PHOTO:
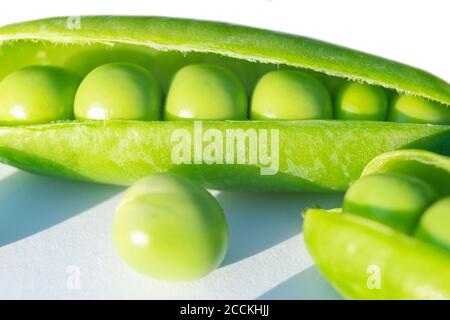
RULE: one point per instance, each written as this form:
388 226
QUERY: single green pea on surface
367 254
434 225
206 92
118 91
395 200
357 101
290 95
37 94
169 227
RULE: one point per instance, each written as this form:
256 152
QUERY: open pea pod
303 155
367 259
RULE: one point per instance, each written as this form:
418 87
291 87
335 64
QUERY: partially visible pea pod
428 166
364 259
314 155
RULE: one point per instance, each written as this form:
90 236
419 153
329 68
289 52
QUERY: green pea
394 200
418 110
119 91
357 101
169 227
37 94
206 92
290 95
434 225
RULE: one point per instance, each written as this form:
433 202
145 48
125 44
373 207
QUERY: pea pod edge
425 165
165 34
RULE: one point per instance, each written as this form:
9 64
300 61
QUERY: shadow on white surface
30 203
306 285
258 221
265 256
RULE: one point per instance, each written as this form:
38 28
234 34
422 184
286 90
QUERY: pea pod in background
323 155
366 259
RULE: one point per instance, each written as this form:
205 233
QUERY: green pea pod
364 259
62 40
427 166
311 155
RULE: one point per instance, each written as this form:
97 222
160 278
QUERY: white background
52 230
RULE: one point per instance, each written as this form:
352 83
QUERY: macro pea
394 200
37 94
290 95
206 92
171 228
406 108
122 91
434 225
357 101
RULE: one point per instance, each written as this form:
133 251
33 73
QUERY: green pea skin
37 94
357 101
170 228
122 91
394 200
206 92
418 110
434 225
290 95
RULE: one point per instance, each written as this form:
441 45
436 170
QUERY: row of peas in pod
404 203
40 94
